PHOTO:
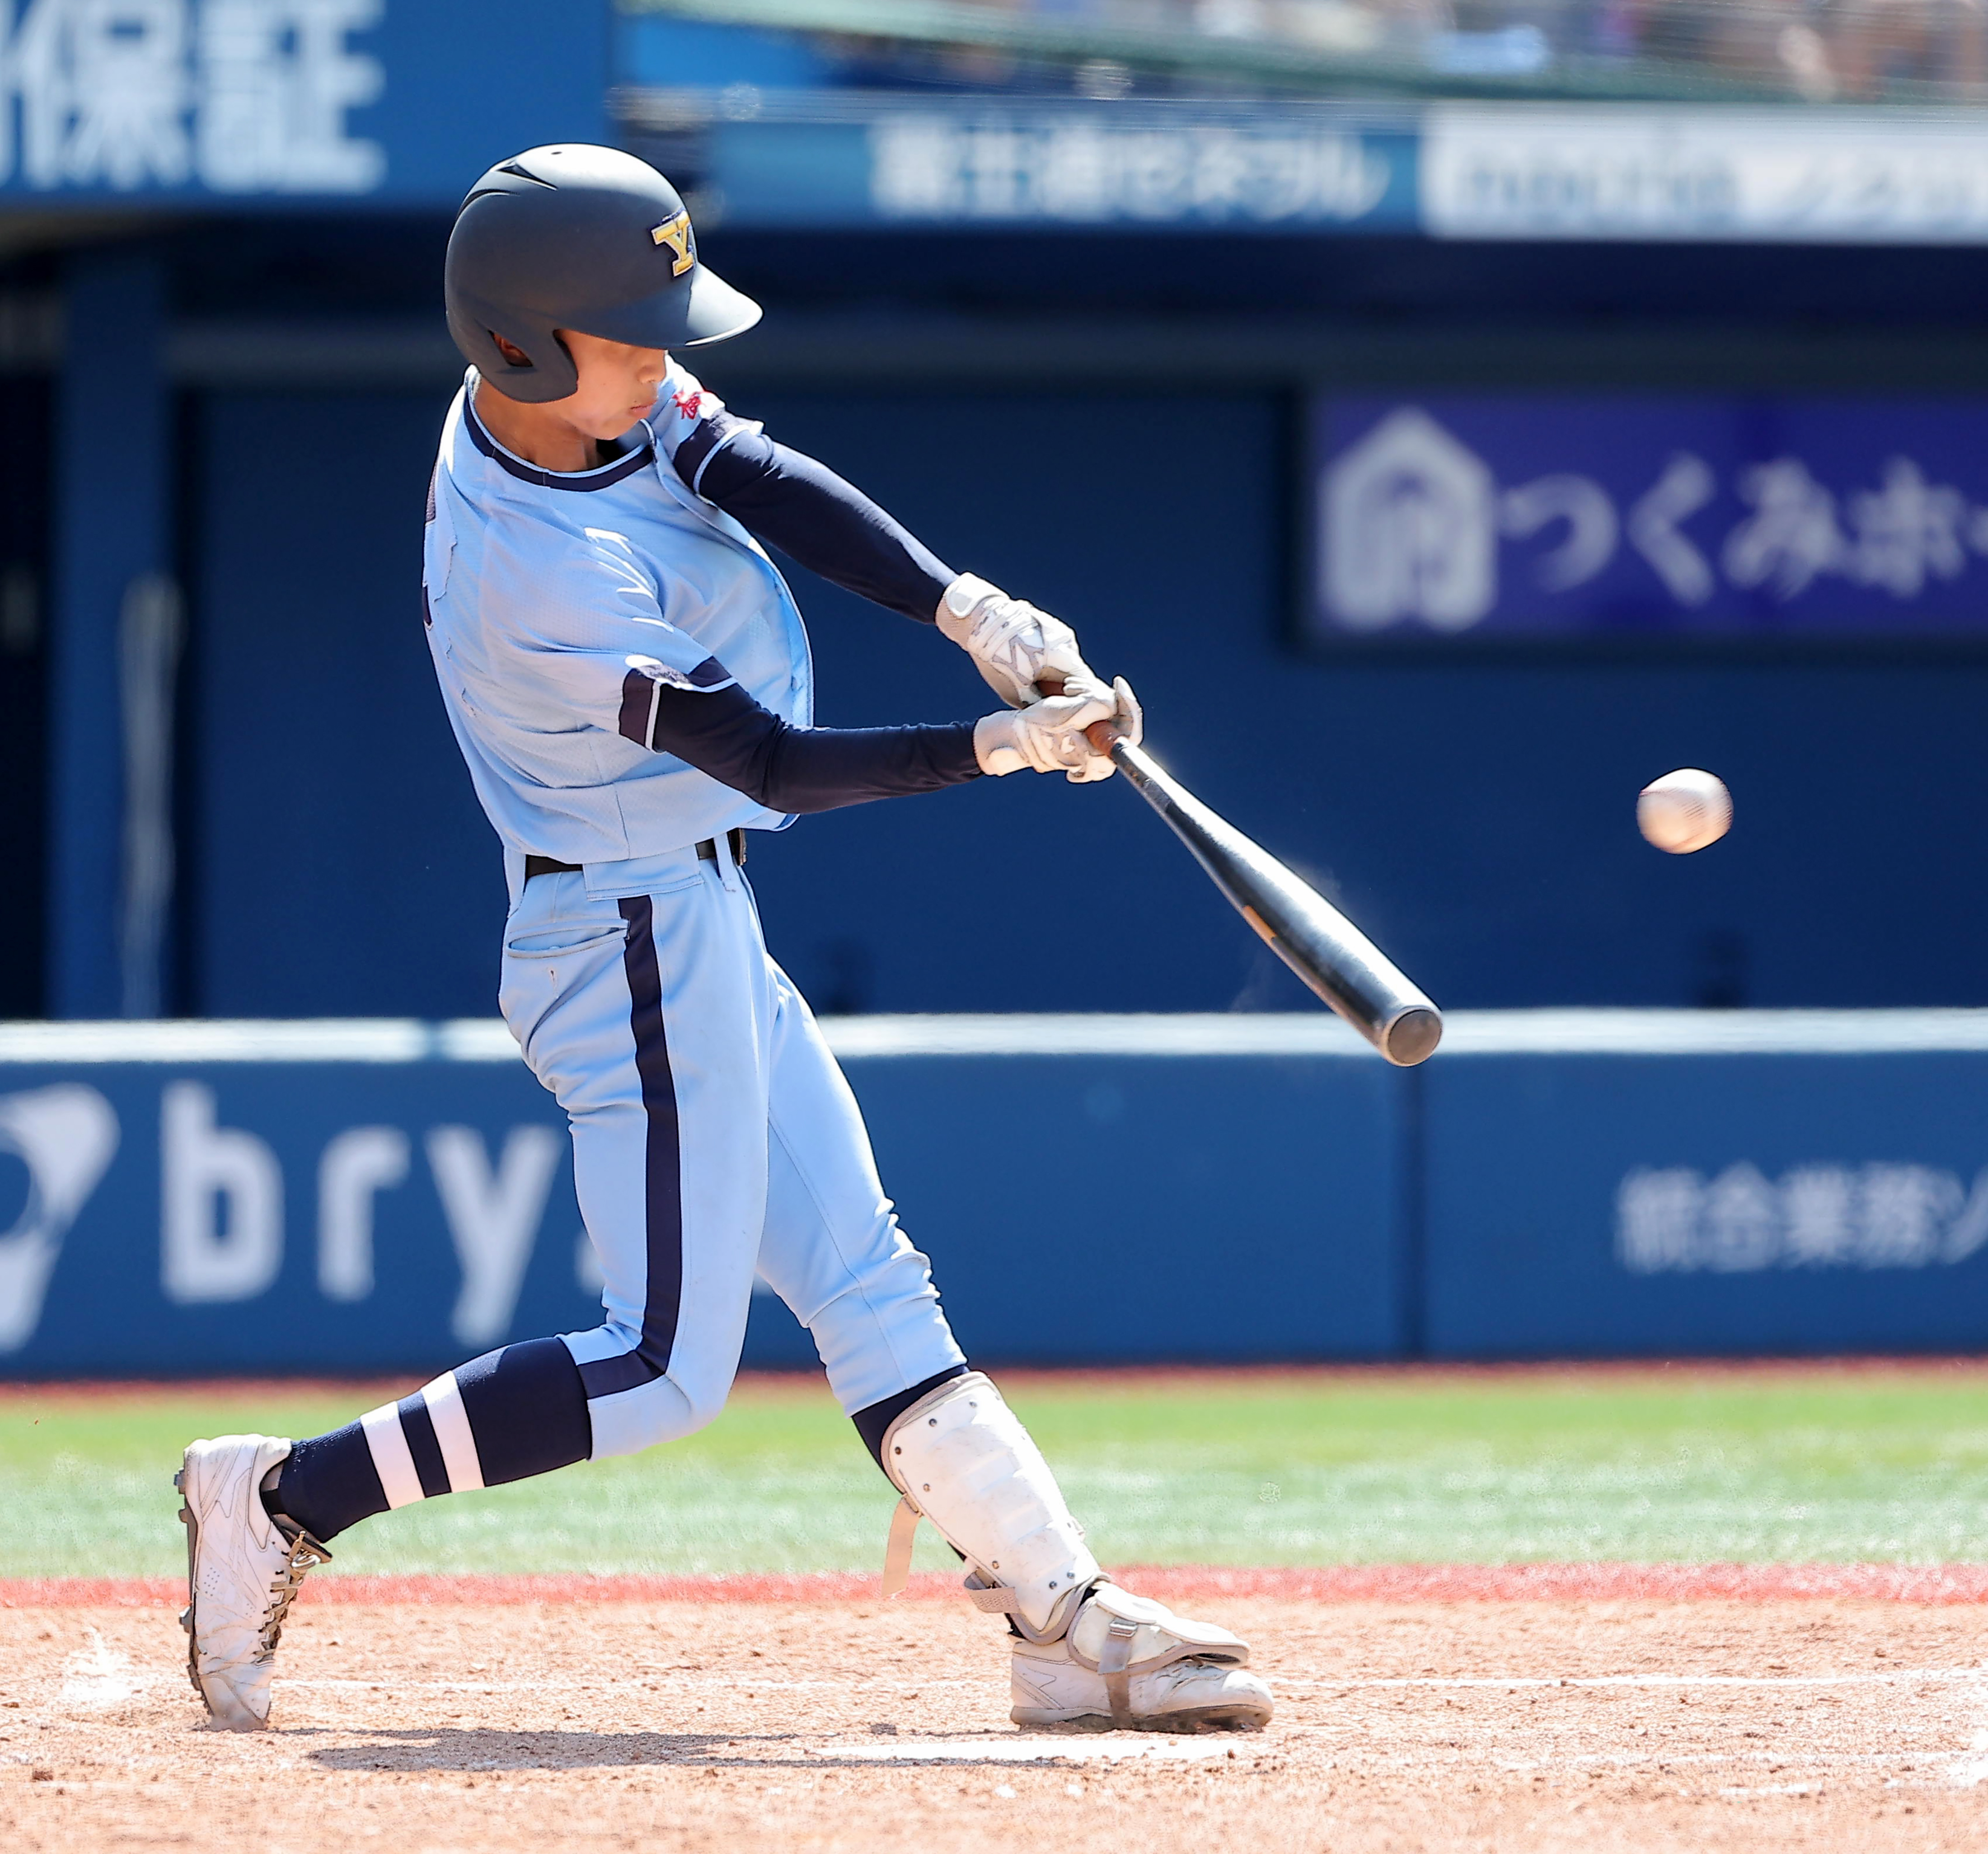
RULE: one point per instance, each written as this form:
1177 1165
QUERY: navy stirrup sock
514 1412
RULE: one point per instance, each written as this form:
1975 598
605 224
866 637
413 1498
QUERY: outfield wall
368 1195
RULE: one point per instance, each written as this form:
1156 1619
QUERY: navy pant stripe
416 1425
603 1377
663 1182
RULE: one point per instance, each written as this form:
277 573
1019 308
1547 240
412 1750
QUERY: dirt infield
1575 1722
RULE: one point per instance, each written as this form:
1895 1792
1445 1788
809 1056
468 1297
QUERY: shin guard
962 1460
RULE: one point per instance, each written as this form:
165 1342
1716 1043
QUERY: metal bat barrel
1301 927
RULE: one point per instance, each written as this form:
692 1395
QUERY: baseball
1684 810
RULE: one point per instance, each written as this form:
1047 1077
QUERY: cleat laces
305 1554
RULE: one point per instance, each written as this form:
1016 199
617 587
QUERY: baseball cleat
1130 1664
243 1569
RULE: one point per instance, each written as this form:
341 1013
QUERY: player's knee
664 1409
702 1405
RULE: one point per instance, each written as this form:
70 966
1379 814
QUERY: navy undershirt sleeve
831 527
724 732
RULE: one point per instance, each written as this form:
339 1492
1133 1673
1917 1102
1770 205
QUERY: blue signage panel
1618 171
1491 515
391 102
308 1216
1123 1210
974 165
361 1216
1648 1204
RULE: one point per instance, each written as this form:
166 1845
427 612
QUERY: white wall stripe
453 1434
1466 1034
392 1459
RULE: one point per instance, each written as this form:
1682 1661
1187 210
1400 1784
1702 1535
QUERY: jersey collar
604 478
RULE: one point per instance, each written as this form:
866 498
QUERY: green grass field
1870 1463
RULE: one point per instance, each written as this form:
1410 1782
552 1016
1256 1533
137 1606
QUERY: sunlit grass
1874 1464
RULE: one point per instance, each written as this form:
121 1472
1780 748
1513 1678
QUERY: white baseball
1684 810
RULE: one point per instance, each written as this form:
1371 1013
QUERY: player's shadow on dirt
485 1748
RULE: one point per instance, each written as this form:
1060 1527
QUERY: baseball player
628 678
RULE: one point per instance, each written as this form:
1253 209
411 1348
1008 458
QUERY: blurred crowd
1817 50
1820 50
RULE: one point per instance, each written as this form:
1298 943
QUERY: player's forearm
725 733
802 508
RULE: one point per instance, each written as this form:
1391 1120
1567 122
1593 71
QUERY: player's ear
510 351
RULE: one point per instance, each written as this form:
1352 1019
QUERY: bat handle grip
1102 735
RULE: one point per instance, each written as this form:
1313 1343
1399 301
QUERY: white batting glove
1128 722
1047 736
1012 645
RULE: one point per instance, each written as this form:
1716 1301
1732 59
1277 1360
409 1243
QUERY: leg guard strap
1115 1664
898 1552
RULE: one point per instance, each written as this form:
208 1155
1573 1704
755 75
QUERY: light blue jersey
543 591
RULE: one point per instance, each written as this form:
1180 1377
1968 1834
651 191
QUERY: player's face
617 384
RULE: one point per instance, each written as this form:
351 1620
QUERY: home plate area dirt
605 1722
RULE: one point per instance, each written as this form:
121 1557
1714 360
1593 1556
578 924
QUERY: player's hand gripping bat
1300 925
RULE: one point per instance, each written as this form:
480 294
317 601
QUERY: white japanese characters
234 96
1679 1221
933 168
1410 522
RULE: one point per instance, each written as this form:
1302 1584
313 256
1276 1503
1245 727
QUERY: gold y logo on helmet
676 235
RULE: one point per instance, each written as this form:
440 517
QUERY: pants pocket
568 937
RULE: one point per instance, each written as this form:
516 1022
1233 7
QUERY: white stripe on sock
392 1459
458 1441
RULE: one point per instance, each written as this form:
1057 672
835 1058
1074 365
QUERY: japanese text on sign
235 95
1524 516
927 167
1679 1221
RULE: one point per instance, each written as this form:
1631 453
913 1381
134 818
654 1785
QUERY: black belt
708 851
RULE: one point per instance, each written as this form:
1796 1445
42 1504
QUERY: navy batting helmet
581 238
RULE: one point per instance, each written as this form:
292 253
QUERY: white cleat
242 1572
1130 1664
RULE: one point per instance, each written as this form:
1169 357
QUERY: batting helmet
581 238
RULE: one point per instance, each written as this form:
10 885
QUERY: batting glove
1012 645
1048 735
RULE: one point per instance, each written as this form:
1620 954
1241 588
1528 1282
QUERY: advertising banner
398 102
990 166
1622 171
1491 515
393 1207
1641 1204
1091 1191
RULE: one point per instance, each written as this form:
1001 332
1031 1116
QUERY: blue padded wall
1477 816
1075 1209
340 862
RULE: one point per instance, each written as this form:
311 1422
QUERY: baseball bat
1298 924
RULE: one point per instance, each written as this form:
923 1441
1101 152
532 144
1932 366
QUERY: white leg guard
962 1460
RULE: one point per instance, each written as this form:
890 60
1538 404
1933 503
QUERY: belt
707 851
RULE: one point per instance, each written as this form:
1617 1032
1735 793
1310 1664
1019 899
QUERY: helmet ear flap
549 372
